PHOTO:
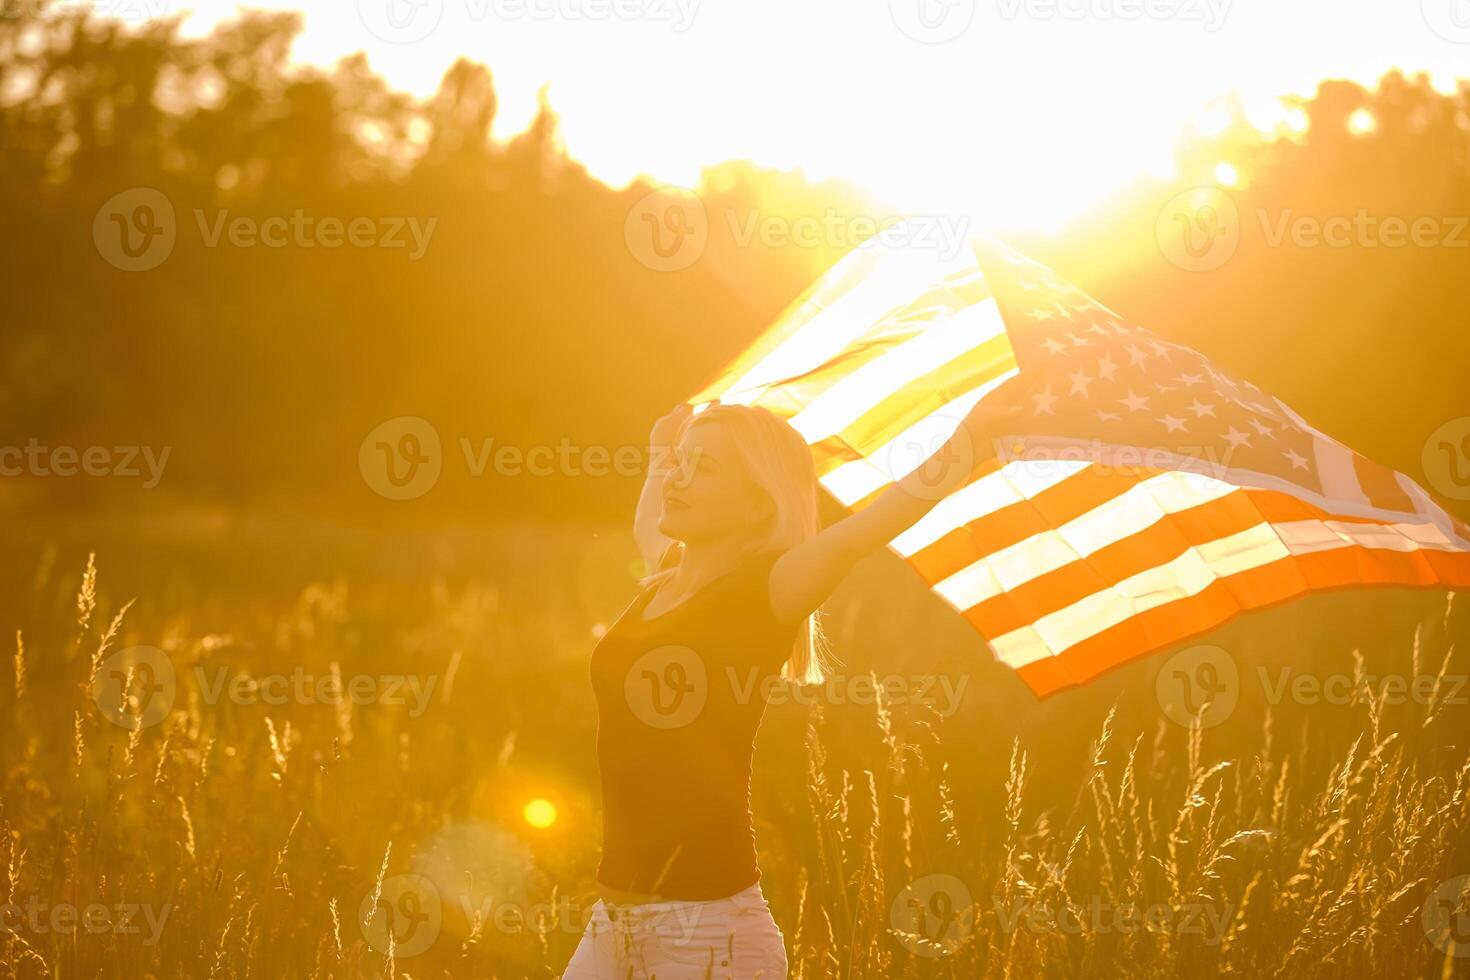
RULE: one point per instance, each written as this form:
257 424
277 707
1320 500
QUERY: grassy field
351 753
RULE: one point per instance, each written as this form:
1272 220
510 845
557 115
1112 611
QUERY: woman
680 679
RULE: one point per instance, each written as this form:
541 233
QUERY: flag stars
1264 430
1054 345
1190 379
1172 423
1078 341
1137 354
1160 349
1080 381
1297 461
1237 438
1200 409
1041 314
1043 401
1107 416
1163 387
1135 403
1100 330
1106 367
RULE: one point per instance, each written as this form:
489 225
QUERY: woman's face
706 492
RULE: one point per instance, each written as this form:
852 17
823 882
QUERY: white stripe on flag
1011 484
1193 570
886 280
1136 509
938 343
857 478
1186 575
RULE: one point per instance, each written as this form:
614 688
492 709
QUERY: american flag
1146 497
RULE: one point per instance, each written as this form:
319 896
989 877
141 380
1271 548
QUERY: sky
1029 111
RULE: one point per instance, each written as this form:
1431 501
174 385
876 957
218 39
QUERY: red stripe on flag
1145 549
1353 566
1380 486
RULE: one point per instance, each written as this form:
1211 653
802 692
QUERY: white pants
731 938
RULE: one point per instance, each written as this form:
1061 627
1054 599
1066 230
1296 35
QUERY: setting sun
540 813
979 117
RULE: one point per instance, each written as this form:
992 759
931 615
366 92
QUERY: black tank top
679 699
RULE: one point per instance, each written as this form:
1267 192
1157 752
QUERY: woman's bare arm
806 575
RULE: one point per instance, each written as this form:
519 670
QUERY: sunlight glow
1025 121
1361 122
540 813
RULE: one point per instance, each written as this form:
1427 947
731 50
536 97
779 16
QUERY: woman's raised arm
806 575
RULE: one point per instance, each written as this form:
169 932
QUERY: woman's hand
666 429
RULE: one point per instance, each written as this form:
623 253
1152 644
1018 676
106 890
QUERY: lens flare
540 813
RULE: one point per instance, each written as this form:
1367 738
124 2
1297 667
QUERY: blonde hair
779 461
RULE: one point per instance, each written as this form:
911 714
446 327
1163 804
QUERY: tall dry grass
272 839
